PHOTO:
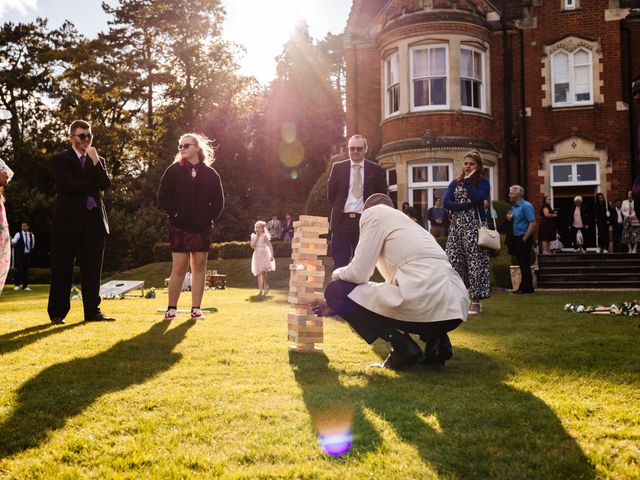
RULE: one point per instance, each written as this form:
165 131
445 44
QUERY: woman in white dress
262 260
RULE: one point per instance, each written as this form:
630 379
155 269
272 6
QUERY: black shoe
57 321
523 292
100 318
437 351
516 292
405 355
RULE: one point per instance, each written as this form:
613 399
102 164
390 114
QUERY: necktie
91 203
356 187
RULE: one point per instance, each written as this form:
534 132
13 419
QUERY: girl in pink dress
262 260
5 241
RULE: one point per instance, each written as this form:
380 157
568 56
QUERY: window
575 174
392 85
426 182
392 182
569 4
429 77
572 78
471 79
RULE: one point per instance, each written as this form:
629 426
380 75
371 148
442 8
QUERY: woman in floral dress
5 240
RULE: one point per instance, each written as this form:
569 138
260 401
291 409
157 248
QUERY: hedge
40 276
226 250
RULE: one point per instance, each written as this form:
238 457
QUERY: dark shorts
182 241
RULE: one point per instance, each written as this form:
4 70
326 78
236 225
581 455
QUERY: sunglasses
356 149
185 146
84 136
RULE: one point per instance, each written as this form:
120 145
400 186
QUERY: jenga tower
307 277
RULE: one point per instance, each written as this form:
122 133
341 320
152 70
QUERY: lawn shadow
464 420
12 341
62 391
257 298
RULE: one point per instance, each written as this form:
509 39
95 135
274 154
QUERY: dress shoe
437 351
522 292
405 355
57 321
100 318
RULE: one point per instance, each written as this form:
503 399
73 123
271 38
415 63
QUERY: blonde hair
206 153
263 224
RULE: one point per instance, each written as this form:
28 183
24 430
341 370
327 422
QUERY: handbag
488 238
634 222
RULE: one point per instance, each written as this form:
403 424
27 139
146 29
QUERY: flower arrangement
627 309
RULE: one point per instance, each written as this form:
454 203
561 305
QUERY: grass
532 392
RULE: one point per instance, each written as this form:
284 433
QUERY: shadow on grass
65 390
463 419
12 341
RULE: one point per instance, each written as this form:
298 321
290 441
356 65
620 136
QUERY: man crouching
422 293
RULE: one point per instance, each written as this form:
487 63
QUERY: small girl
262 260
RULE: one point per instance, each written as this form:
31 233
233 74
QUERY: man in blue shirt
523 221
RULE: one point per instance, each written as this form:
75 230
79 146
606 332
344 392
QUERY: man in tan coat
422 293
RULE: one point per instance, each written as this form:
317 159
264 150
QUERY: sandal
475 308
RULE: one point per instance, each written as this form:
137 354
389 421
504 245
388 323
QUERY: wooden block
316 251
305 241
304 318
314 338
304 257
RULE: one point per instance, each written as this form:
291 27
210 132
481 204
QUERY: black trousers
370 325
617 237
87 248
344 240
21 264
523 255
603 236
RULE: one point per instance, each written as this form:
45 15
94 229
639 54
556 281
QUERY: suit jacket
420 284
375 181
74 184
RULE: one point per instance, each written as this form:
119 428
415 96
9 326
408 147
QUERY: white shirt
353 204
27 237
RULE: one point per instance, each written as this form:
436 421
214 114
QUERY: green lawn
531 392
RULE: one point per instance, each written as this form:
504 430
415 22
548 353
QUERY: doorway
562 199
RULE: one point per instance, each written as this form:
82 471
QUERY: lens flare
335 436
288 132
291 154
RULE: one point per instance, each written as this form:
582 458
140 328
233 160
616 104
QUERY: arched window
571 73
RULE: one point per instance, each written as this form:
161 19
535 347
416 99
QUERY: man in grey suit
351 182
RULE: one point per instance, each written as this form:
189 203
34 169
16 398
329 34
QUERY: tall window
426 182
392 182
471 84
569 4
572 78
392 85
429 77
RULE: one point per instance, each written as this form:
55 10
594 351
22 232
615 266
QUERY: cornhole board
120 288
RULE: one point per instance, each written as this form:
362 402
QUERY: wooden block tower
307 281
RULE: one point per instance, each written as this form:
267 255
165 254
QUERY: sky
261 26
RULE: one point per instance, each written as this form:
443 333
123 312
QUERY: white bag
488 238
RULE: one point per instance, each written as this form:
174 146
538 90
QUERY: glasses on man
185 146
84 136
356 149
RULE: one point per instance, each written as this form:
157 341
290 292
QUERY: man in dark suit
23 244
79 225
351 182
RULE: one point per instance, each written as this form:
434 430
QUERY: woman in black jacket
191 194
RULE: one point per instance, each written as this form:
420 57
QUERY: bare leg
198 267
179 264
265 283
